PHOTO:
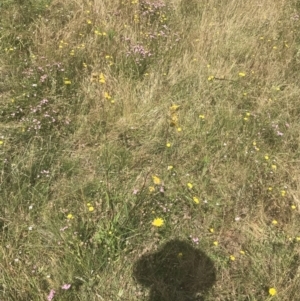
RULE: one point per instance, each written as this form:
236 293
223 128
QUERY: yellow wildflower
151 189
242 74
232 258
158 222
215 243
196 200
106 95
67 81
91 208
274 222
156 180
174 108
189 185
272 291
70 216
101 78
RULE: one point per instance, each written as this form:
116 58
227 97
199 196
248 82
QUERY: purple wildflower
279 133
194 239
66 286
51 295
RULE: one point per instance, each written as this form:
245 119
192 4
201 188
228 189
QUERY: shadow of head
176 272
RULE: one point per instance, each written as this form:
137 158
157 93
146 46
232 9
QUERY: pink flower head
195 240
51 295
279 133
66 286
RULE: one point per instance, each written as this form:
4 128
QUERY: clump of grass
131 127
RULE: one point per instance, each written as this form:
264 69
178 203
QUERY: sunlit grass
126 125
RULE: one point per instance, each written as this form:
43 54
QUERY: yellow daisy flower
158 222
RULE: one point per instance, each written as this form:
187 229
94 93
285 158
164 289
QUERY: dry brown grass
242 157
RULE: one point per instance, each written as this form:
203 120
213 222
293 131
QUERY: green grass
89 93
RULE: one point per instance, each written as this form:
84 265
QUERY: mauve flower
279 133
66 286
195 240
51 295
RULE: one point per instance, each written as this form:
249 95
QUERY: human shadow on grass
176 272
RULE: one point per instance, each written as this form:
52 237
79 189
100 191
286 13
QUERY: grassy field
150 150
